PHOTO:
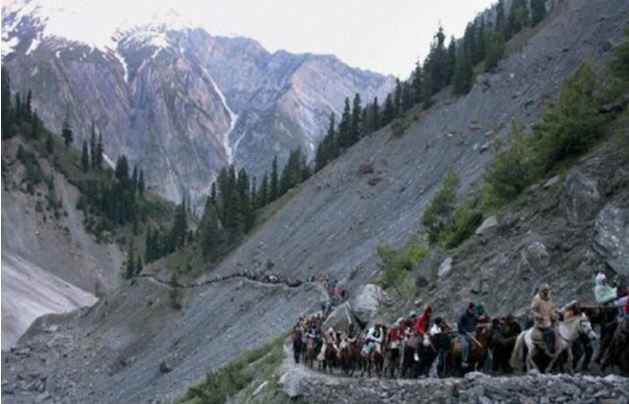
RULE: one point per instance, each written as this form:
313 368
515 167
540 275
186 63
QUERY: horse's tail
516 356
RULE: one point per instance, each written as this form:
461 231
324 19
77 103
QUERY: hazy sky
386 36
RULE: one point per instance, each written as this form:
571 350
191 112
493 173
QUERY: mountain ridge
159 92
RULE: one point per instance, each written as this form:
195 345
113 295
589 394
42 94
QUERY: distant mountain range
176 100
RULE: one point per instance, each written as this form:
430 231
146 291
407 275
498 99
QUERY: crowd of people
420 344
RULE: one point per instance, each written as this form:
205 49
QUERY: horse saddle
539 341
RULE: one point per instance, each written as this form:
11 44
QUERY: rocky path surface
307 385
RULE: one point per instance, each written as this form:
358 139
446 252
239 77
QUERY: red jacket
421 324
394 334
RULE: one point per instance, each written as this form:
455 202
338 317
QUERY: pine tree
134 179
320 160
481 45
18 108
28 109
122 169
451 60
130 267
427 90
6 103
148 246
500 18
180 227
356 123
538 11
85 160
34 126
49 144
407 96
388 114
66 133
345 136
99 151
263 197
417 83
141 184
210 236
463 74
495 50
93 147
397 98
274 189
138 265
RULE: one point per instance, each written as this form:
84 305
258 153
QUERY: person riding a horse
605 293
467 326
423 321
544 315
374 337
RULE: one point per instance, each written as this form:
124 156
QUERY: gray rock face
365 303
611 239
536 256
581 198
340 318
445 267
473 388
182 103
489 223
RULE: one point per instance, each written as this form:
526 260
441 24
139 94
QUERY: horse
502 336
328 357
373 359
618 351
566 333
433 347
393 357
479 345
310 352
409 350
349 356
605 317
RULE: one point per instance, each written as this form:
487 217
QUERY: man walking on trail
543 312
467 326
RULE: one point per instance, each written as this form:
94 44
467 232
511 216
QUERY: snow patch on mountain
122 62
233 117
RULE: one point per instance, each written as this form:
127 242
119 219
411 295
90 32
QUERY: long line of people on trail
418 345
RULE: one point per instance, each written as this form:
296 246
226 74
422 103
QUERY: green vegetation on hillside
221 385
396 264
570 127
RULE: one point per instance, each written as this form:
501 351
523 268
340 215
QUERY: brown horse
502 337
328 357
310 352
349 357
479 344
409 365
372 361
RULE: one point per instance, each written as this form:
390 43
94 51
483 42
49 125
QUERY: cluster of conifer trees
453 64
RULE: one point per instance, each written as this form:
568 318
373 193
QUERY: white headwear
600 278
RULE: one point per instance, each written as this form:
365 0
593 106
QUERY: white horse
567 332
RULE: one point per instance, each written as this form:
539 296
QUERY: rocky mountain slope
333 222
50 264
178 101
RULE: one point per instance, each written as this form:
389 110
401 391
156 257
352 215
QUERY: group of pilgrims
422 345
